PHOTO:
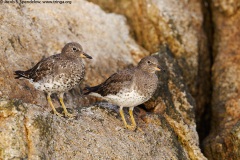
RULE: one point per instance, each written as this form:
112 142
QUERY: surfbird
58 73
129 87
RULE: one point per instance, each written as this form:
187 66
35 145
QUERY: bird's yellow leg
122 115
133 125
53 108
67 114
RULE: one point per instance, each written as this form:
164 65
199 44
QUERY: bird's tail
88 90
21 74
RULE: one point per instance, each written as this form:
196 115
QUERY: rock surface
30 132
224 139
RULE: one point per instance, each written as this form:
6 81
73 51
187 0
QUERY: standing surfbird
58 73
129 87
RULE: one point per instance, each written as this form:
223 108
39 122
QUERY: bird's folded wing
43 68
115 83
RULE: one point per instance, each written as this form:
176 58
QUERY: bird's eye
148 62
74 49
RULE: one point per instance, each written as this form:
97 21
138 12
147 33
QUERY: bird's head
149 64
74 50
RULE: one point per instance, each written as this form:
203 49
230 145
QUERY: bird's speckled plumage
129 87
58 73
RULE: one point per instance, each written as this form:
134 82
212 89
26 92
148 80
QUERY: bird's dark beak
158 68
84 55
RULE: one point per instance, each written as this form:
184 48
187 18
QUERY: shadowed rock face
173 100
224 140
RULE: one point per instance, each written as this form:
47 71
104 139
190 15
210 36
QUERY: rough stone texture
224 139
226 7
173 100
29 131
178 24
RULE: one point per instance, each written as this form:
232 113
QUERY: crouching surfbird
58 73
129 87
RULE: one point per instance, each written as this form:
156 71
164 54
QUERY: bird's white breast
52 85
126 98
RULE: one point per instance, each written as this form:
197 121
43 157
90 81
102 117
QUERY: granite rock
224 140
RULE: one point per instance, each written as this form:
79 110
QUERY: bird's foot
58 114
69 115
131 127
